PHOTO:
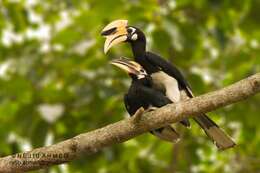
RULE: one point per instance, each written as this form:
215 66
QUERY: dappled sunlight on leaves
55 80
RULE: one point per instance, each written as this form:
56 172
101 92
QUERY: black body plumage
140 94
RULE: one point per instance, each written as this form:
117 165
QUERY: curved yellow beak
115 32
131 67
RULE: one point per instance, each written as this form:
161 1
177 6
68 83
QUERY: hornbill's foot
136 117
150 109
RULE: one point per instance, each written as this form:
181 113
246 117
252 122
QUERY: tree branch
91 142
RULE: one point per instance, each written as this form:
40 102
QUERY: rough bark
93 141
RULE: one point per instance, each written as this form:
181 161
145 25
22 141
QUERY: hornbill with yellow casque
166 77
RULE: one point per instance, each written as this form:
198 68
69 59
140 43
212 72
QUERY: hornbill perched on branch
141 95
166 77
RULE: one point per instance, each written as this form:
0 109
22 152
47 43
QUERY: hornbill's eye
131 33
130 30
143 71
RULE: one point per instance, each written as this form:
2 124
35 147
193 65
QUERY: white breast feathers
170 84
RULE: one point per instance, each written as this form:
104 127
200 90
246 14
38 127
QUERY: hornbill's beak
131 67
115 32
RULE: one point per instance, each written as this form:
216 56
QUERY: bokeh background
55 81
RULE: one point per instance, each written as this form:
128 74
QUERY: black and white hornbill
141 95
166 77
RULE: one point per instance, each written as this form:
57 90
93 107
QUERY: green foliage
55 81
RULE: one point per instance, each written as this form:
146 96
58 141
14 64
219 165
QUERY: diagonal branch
91 142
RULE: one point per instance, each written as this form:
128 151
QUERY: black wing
144 97
170 69
154 97
129 105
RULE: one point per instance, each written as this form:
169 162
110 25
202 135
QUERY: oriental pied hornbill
141 95
166 77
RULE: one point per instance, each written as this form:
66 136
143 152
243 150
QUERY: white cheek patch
141 76
134 37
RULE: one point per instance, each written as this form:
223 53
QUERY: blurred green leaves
51 54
